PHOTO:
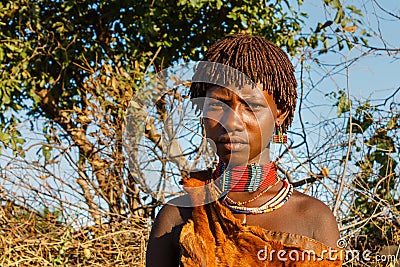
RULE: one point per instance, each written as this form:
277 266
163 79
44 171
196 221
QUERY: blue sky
376 75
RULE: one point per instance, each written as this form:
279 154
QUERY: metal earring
279 137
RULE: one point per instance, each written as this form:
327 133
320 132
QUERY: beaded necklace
241 203
248 178
273 204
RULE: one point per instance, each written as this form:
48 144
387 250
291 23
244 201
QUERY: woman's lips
232 146
232 143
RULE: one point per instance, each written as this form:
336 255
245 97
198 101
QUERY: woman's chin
233 160
242 159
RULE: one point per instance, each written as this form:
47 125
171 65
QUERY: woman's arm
162 248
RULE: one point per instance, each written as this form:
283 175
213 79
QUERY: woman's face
240 122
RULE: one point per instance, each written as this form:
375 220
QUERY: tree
70 69
354 150
76 65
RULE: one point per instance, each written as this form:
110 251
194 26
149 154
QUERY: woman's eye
215 105
255 105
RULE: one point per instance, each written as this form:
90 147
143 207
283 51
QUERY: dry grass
27 239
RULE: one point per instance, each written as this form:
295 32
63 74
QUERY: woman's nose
232 120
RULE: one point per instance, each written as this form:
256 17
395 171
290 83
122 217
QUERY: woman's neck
249 178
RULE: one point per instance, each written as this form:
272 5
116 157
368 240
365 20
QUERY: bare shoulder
167 218
163 245
311 205
319 217
170 216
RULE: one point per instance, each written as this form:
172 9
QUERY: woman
257 220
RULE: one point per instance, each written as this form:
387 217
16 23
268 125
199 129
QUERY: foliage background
70 68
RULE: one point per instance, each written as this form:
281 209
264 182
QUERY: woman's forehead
246 91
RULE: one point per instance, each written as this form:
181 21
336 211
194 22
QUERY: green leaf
365 41
360 126
355 10
69 7
4 137
46 152
5 99
392 123
343 103
2 54
219 4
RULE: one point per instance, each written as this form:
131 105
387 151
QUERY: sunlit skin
241 123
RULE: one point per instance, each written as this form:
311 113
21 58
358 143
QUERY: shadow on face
240 121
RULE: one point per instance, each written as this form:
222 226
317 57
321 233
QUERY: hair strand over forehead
262 61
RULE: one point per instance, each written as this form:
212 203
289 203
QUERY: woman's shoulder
310 204
319 217
163 246
172 214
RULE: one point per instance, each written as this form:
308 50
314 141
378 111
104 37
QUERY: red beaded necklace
248 178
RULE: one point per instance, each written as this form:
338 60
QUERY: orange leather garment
214 237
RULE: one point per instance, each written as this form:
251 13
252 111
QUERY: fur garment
214 237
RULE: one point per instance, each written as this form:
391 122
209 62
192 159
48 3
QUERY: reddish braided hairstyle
262 61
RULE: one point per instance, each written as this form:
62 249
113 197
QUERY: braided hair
260 60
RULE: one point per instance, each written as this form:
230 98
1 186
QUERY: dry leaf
350 28
325 171
86 251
